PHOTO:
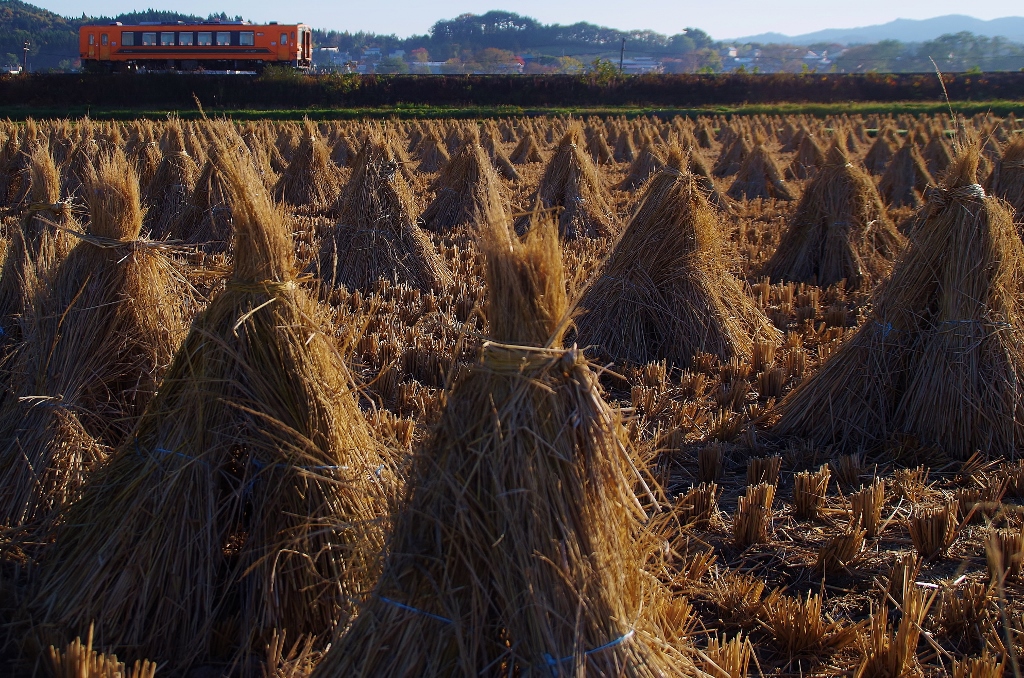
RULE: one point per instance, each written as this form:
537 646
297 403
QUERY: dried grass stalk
866 507
764 470
728 658
1004 553
699 505
894 656
710 462
81 661
809 492
933 529
753 520
800 627
841 549
985 666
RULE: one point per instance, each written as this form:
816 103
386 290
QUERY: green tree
569 65
603 71
391 65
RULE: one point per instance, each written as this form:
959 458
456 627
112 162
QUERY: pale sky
722 19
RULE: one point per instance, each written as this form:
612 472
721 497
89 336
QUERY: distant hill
904 30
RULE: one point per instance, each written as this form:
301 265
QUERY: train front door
284 48
104 47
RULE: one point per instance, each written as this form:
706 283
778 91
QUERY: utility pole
24 58
622 53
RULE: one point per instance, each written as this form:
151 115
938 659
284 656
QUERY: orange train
212 45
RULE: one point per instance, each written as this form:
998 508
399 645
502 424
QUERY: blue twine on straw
410 608
886 328
257 463
552 662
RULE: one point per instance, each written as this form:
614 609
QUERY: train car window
127 39
149 38
186 38
223 38
247 38
284 38
205 38
104 40
167 38
92 39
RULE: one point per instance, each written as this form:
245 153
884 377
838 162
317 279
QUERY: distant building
640 65
397 54
371 53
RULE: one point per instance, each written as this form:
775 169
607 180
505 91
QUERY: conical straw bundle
376 235
515 517
940 358
879 155
759 177
206 220
809 157
1007 178
599 150
905 178
38 244
731 160
646 164
433 153
840 231
168 193
526 151
665 292
572 183
311 181
96 344
251 495
461 189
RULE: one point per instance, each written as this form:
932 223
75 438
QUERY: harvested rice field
523 397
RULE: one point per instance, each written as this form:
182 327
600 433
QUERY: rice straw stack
311 181
516 552
95 345
251 497
572 183
36 246
906 177
840 230
1007 178
759 177
461 188
665 292
940 358
376 235
168 193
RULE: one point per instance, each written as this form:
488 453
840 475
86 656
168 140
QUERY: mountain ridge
904 30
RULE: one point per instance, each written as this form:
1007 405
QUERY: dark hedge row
341 91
